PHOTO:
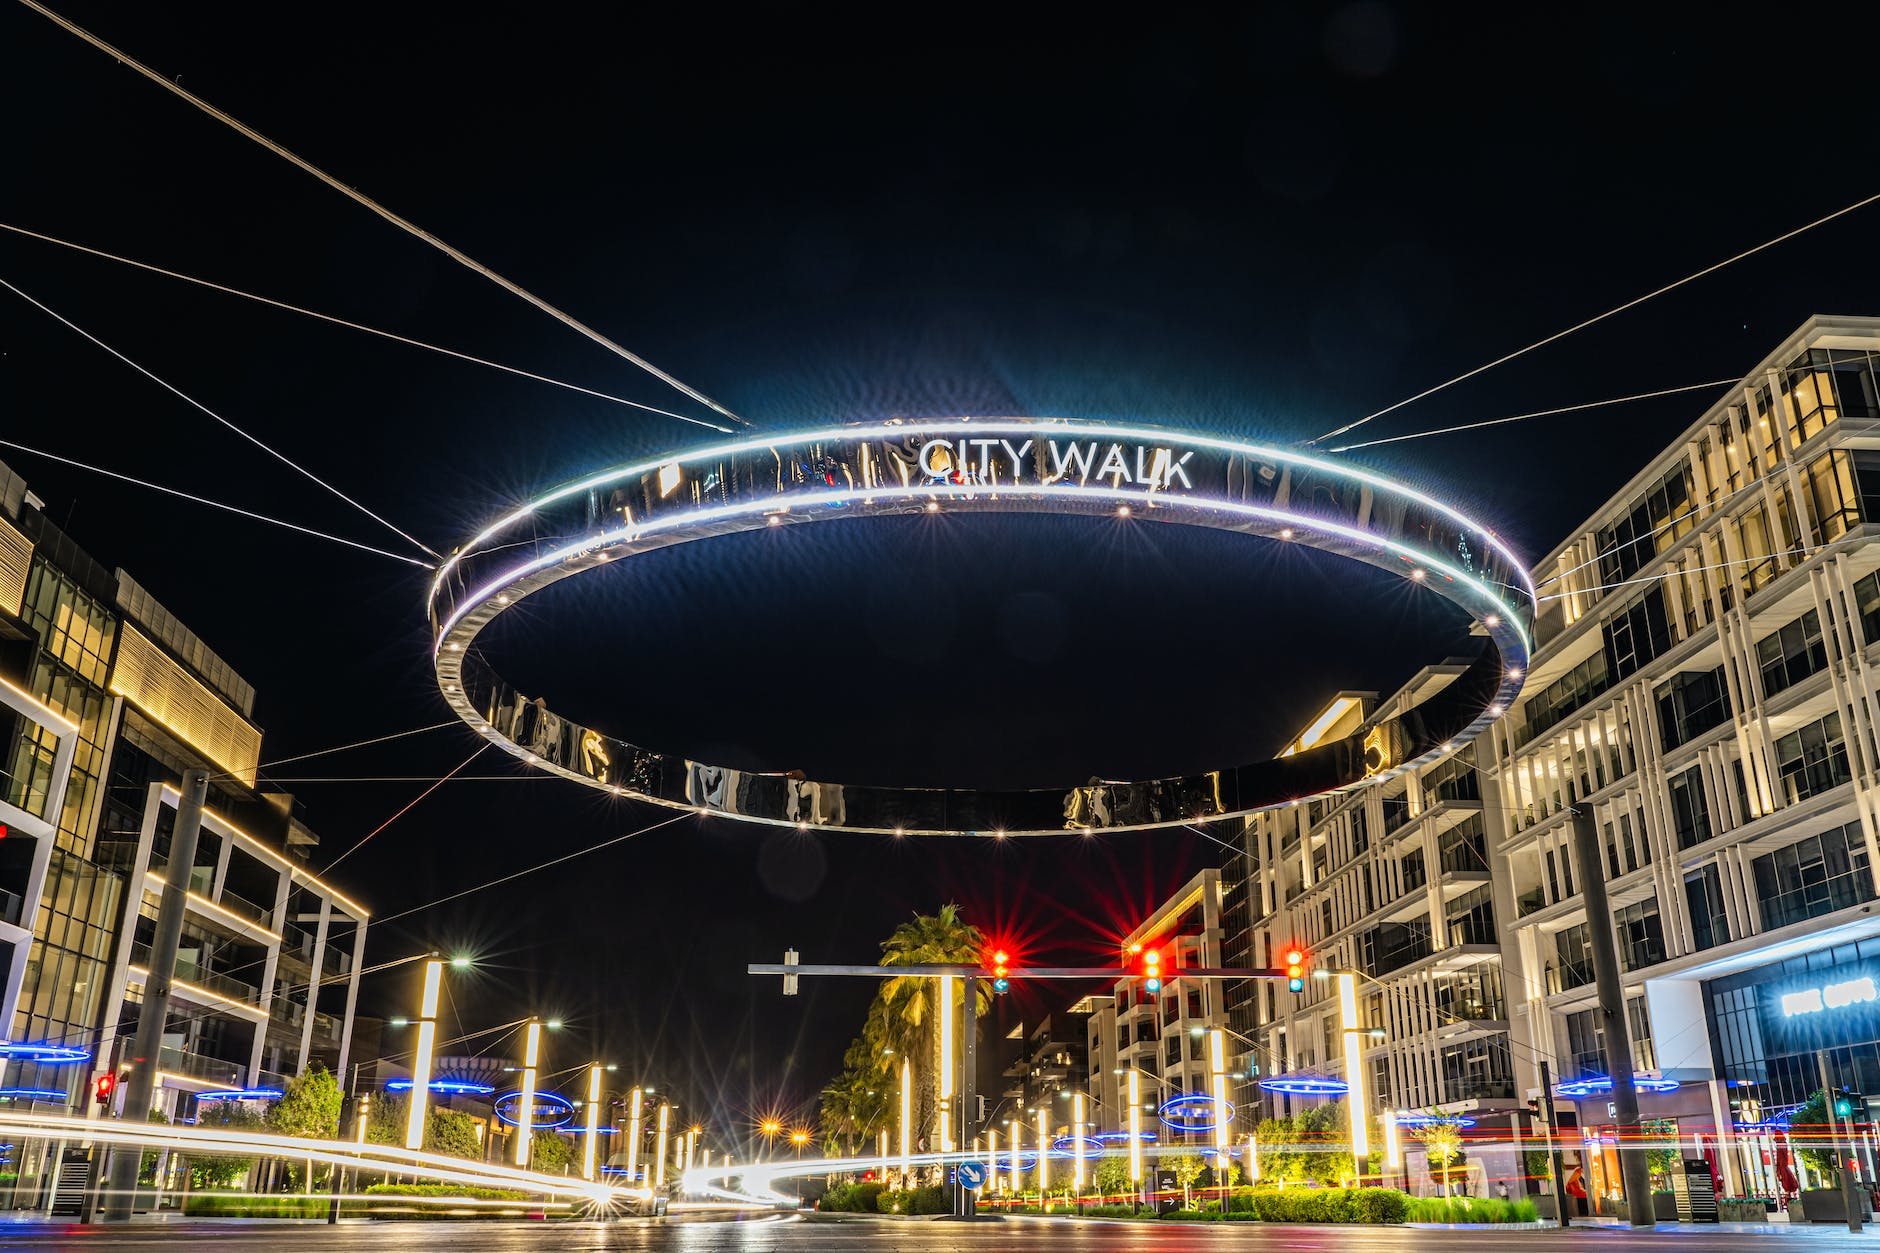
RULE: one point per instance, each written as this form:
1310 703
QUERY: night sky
1262 221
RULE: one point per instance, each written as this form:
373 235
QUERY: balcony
1565 976
199 1066
208 980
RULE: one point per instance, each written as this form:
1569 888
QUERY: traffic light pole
969 1115
154 1012
1850 1195
1551 1129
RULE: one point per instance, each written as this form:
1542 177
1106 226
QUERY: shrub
255 1205
446 1189
851 1198
1471 1209
1322 1205
930 1200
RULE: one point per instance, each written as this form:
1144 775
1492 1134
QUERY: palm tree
908 1001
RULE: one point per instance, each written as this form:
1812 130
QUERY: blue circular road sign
972 1175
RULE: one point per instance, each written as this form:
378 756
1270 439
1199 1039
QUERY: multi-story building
1163 1037
1393 882
1704 685
267 975
1050 1068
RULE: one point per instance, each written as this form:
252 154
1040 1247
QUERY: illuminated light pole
1253 1159
418 1112
907 1121
525 1109
593 1120
633 1140
946 1063
1217 1057
1135 1128
659 1152
992 1154
1393 1146
1356 1103
1013 1126
691 1143
360 1116
1044 1138
884 1155
1077 1144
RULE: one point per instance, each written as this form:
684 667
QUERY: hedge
1471 1209
931 1200
454 1190
256 1205
1322 1205
852 1198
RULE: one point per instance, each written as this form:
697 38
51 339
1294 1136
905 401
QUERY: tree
1812 1118
309 1106
452 1133
1187 1168
548 1152
1441 1139
909 1001
1113 1175
221 1171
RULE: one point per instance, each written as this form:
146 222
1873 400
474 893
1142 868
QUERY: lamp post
1356 1104
418 1110
525 1109
1135 1129
633 1139
659 1149
1044 1139
907 1121
946 1063
593 1121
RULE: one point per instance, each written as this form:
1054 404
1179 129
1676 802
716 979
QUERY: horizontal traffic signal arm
1170 973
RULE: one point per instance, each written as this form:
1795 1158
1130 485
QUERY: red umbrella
1785 1167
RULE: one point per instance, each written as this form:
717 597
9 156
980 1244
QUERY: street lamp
659 1158
907 1121
1077 1143
593 1120
633 1139
525 1110
946 1063
1135 1127
1044 1138
1355 1101
419 1109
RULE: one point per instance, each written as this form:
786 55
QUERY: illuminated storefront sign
1832 996
990 461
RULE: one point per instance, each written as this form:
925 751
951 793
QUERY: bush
1321 1205
255 1205
932 1200
446 1189
1471 1209
851 1198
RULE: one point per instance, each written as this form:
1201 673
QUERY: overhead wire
510 878
341 748
407 807
359 326
1538 413
359 198
197 404
213 504
1592 321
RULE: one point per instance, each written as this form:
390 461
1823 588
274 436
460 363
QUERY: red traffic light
1296 969
1151 970
999 962
102 1087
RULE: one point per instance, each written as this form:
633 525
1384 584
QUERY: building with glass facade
1705 686
267 974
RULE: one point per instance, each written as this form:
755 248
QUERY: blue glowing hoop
1123 1137
450 1087
1434 1120
241 1094
1305 1085
1600 1085
44 1054
1190 1111
33 1094
552 1110
1077 1146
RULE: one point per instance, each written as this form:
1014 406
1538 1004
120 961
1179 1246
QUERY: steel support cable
1695 516
1522 417
394 336
406 807
1580 326
197 404
213 504
403 224
340 748
508 878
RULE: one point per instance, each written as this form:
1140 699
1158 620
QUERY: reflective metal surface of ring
977 465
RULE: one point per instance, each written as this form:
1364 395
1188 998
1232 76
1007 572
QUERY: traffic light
103 1086
999 965
1295 970
1843 1103
1151 971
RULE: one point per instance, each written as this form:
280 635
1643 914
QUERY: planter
1823 1205
1729 1211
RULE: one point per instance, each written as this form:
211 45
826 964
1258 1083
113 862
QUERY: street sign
972 1175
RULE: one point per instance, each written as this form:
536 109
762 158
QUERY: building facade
1705 686
267 974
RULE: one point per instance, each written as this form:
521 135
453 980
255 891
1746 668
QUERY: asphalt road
790 1234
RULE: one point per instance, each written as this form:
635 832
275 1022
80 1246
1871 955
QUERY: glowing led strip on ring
902 429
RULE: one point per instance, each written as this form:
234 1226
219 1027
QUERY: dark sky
1264 220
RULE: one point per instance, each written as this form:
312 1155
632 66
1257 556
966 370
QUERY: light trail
357 197
391 1159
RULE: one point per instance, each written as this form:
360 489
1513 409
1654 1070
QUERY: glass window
1640 933
1812 760
1691 704
1637 634
1758 548
1690 812
1789 655
1833 498
1703 896
1815 876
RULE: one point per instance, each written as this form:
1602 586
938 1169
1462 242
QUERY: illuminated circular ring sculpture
1001 465
1305 1085
1190 1111
1434 1120
1580 1089
44 1054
